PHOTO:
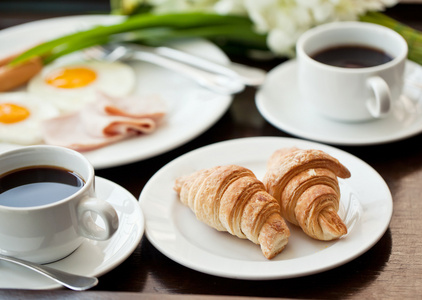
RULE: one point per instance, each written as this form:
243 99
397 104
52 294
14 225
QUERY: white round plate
92 258
192 109
366 208
279 103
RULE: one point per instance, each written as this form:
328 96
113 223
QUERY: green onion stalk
153 29
412 36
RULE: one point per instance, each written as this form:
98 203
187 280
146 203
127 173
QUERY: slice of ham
104 121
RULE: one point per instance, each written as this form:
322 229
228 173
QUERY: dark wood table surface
392 268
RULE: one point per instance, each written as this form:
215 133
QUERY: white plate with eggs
192 109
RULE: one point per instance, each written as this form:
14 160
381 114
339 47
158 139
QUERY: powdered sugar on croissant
230 198
306 186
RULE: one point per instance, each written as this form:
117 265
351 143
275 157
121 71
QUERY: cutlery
71 281
248 75
217 82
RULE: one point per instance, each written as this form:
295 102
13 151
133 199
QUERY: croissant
305 184
230 198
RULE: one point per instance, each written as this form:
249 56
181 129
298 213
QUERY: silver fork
216 82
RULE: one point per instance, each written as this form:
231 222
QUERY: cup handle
88 210
380 104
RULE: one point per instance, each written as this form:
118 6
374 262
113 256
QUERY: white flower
171 6
286 20
230 7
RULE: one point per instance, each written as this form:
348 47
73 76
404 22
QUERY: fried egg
21 116
69 86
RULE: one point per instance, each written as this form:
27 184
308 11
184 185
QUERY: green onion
152 29
240 34
51 50
412 36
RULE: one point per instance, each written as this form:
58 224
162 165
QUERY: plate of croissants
263 208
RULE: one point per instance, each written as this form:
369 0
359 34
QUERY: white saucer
279 103
91 258
366 207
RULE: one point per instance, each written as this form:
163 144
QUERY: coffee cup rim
349 24
87 181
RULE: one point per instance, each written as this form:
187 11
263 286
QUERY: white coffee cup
351 94
49 232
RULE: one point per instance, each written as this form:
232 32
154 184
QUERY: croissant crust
305 184
230 198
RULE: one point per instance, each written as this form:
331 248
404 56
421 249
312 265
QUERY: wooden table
390 269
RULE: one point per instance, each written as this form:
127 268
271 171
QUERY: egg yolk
12 113
70 78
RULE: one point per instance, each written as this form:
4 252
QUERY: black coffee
350 56
37 185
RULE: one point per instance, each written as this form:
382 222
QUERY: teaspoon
71 281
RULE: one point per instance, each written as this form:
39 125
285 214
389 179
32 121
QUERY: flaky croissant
306 186
230 198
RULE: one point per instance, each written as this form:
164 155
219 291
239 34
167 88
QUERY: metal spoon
71 281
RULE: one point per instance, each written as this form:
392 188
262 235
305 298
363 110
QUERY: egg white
27 131
113 78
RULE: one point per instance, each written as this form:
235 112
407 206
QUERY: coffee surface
351 56
37 185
